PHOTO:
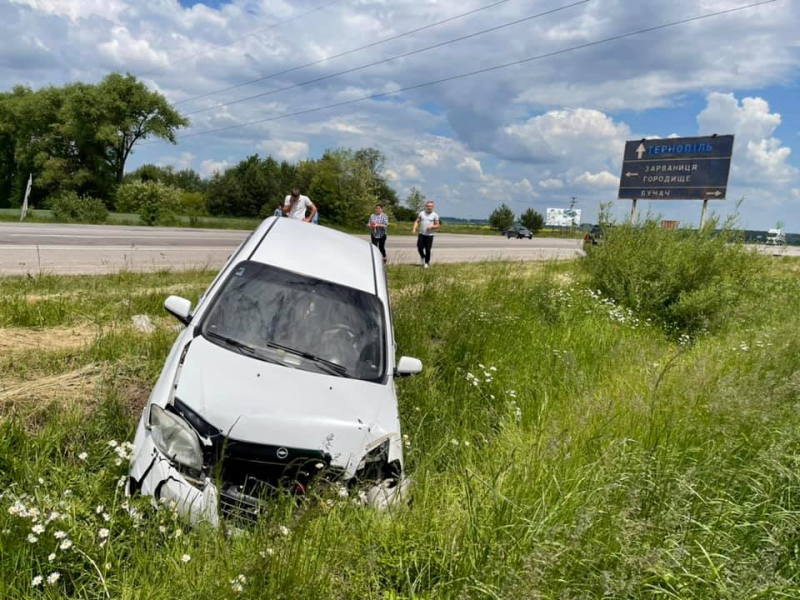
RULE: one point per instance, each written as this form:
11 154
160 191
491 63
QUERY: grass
560 447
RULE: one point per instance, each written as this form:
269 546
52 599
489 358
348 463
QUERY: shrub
532 219
193 205
502 217
68 207
684 280
154 202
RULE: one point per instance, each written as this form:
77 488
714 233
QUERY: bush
501 218
154 202
684 280
532 219
68 207
193 205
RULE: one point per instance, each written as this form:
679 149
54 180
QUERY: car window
293 319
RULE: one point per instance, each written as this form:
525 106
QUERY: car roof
318 252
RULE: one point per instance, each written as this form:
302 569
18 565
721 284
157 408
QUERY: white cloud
551 184
604 179
77 9
471 167
757 155
209 167
410 171
285 149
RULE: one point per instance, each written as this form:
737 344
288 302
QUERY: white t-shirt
425 222
298 211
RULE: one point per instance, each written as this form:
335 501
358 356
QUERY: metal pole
703 214
633 211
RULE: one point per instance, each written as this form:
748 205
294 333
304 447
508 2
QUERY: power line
240 38
480 71
391 58
345 53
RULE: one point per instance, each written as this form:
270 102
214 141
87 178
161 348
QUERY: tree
501 218
531 219
128 113
415 200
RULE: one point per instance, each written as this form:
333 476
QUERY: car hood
258 402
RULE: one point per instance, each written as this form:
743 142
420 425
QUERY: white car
282 378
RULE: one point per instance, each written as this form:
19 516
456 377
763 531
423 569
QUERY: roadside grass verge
560 445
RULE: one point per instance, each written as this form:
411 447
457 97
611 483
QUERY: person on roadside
378 222
315 218
278 211
427 224
295 205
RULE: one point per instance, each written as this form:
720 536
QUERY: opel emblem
282 453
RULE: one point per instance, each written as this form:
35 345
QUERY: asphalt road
75 249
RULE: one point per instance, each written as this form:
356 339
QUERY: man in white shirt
427 223
295 205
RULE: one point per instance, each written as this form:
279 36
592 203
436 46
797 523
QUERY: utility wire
246 35
391 58
345 53
480 71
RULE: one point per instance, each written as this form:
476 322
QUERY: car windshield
282 317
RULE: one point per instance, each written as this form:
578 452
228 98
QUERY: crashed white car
282 379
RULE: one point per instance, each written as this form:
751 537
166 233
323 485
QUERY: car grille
250 473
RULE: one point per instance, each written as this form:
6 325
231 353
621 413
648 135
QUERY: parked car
518 232
283 378
594 237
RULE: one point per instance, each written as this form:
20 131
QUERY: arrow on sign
640 150
715 193
631 174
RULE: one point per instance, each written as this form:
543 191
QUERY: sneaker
421 262
427 265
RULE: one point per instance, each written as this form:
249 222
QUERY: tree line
503 217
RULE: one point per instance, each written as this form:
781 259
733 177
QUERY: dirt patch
54 338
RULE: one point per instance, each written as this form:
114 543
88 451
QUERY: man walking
295 205
427 223
378 222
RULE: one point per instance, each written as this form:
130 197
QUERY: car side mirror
180 308
408 366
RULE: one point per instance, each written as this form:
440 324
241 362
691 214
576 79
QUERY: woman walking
378 222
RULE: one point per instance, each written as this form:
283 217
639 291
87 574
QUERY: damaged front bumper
233 495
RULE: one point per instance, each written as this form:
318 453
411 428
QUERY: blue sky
533 135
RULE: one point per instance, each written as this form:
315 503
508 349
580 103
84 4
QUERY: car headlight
372 466
175 438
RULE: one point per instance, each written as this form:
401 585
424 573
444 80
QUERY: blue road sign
676 169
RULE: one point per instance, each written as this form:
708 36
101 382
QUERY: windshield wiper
330 366
242 347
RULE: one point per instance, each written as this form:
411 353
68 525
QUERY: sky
545 133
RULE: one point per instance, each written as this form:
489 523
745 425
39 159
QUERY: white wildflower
53 578
65 544
38 528
99 509
51 557
162 529
32 539
185 558
37 581
103 533
178 533
283 530
454 441
113 443
41 481
237 587
319 465
106 517
83 456
60 535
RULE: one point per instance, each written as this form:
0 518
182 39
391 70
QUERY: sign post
695 168
24 212
633 212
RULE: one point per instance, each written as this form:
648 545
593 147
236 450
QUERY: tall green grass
560 447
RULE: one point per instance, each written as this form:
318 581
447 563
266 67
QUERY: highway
29 248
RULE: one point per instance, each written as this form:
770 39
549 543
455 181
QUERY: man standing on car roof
427 222
295 205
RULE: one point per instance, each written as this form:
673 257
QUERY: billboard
563 217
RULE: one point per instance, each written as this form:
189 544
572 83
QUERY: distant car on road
518 232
